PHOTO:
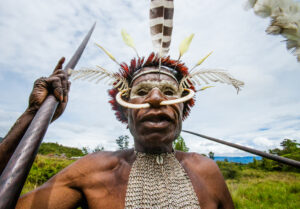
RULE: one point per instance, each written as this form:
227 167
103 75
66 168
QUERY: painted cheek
178 109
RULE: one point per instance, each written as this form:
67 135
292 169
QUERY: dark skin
99 180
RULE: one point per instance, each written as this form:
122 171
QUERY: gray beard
159 181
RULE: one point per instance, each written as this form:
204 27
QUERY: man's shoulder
105 160
199 163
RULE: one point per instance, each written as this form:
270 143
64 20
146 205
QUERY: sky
35 34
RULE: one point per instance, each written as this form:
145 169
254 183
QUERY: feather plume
108 54
161 25
208 76
285 20
202 60
184 45
128 40
206 87
100 74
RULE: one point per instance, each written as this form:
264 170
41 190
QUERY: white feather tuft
285 20
207 76
100 74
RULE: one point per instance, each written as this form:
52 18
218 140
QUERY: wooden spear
284 160
15 173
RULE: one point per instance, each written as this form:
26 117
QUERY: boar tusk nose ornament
180 100
127 104
147 105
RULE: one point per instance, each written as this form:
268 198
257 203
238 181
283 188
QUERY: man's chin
157 138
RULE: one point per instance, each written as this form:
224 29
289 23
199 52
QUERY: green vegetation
265 183
179 144
59 150
87 150
258 188
230 170
123 142
255 189
290 149
43 168
211 155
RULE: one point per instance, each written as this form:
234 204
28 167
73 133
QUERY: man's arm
60 192
92 181
13 137
220 188
209 183
57 85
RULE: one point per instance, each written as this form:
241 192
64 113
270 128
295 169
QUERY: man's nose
155 97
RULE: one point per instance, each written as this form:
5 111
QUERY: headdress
161 25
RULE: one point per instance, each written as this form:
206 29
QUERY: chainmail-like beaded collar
158 181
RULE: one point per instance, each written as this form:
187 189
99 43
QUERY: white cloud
35 34
262 141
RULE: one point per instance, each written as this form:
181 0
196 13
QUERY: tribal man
152 175
152 96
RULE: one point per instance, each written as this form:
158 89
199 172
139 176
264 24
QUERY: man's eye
169 92
142 92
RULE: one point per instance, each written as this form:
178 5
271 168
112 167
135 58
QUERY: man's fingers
41 82
63 79
58 93
66 90
59 71
59 64
62 76
56 85
59 83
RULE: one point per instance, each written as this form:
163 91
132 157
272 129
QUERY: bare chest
105 191
108 190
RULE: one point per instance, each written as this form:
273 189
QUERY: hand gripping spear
15 173
284 160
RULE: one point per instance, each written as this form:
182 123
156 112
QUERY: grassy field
43 168
250 188
254 189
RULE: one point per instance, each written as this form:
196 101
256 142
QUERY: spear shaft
284 160
15 173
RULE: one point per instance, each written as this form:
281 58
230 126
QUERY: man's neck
153 150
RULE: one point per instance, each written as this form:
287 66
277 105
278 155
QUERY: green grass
43 168
256 189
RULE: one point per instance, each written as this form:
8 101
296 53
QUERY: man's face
158 125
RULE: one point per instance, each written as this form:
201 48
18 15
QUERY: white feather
100 74
212 75
285 20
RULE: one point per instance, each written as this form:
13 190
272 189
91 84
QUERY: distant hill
58 149
243 160
50 148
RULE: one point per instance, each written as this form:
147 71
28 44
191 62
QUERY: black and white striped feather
161 25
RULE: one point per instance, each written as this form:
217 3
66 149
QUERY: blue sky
35 34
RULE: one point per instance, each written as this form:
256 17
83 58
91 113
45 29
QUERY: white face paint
167 88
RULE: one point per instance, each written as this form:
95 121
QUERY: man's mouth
157 121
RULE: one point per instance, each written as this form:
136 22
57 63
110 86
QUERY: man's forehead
155 74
